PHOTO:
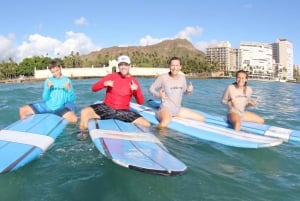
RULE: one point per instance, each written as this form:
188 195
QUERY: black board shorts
106 112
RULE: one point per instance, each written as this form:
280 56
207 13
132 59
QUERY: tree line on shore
12 70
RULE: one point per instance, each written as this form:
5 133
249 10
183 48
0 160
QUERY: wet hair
54 64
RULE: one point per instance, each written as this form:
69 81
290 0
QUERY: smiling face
241 78
124 68
56 71
175 67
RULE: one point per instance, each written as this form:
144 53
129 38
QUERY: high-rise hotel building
257 58
219 54
260 59
283 55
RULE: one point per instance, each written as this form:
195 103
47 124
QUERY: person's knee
70 117
73 119
25 111
201 118
84 113
88 113
262 121
147 124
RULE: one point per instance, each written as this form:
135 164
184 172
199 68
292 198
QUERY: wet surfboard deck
287 135
25 140
209 132
133 147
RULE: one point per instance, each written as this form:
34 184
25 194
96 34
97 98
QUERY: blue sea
74 170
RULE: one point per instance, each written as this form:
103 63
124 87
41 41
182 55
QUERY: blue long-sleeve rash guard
58 95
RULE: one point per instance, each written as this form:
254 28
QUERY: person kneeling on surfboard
238 97
171 87
58 97
120 87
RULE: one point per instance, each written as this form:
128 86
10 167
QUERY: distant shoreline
31 79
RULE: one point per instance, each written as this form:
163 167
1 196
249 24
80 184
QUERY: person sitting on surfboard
120 87
171 87
238 97
58 97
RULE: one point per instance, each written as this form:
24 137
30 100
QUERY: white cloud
7 47
76 42
148 40
186 33
202 45
39 45
80 21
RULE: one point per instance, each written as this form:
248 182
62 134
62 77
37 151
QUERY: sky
55 28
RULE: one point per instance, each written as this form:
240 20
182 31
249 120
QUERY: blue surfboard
25 140
133 147
287 135
209 132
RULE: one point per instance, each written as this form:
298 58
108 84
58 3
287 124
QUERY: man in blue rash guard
58 97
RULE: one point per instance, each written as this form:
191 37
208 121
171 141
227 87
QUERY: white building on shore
219 54
262 60
283 55
257 58
101 71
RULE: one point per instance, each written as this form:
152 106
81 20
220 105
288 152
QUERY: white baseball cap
123 58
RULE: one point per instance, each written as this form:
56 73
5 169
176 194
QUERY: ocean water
74 170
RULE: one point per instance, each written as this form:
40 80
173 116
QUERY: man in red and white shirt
120 87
